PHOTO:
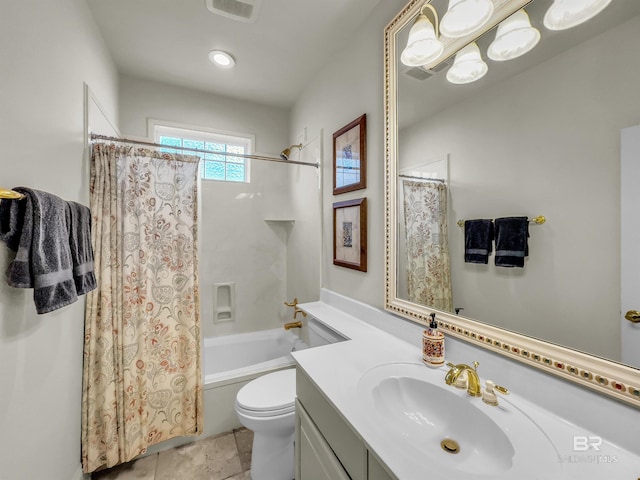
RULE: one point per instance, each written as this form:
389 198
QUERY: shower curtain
142 380
427 244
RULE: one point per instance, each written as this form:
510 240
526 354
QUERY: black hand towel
478 235
40 231
511 241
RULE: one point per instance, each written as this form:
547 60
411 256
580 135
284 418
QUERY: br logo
582 443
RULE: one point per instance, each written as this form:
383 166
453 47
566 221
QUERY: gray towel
39 233
12 215
81 250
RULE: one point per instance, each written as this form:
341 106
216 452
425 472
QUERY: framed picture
350 157
350 234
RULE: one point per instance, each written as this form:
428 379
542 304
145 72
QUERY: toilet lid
273 393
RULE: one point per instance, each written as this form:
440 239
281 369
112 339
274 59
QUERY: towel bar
539 220
10 194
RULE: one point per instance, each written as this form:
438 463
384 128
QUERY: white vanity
368 408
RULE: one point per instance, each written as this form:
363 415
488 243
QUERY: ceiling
276 56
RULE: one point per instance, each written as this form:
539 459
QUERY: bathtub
234 358
232 361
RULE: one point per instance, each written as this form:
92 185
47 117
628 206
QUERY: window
220 164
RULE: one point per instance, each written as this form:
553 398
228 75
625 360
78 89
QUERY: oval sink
442 426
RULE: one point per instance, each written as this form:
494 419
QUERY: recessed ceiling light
221 59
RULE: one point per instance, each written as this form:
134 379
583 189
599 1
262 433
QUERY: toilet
266 406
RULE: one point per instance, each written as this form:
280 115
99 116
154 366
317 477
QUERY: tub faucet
290 325
458 373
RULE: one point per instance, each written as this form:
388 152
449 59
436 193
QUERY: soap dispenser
433 344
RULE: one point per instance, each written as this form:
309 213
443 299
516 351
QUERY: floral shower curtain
427 244
142 380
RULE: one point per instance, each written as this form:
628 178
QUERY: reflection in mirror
423 235
539 134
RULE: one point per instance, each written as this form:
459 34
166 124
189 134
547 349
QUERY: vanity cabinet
326 446
316 459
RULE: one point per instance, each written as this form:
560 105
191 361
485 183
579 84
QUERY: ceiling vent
417 73
240 10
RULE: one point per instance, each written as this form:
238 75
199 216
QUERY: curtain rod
426 179
187 149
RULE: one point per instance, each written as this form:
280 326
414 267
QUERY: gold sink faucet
458 373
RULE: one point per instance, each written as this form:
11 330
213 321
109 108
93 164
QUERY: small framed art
350 157
350 234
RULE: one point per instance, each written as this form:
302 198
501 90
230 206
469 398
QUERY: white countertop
337 368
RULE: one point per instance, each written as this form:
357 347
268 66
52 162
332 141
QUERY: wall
508 157
304 247
352 84
236 244
48 50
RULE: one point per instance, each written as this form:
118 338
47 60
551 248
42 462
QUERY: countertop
337 368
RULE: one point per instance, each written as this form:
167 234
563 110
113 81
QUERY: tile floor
222 457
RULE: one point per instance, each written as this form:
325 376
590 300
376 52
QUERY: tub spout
290 325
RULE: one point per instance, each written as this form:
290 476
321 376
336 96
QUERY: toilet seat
268 396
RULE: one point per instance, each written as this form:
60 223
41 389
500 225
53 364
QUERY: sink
448 432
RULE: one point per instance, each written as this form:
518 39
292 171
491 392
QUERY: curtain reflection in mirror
427 246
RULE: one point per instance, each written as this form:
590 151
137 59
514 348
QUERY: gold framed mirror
409 107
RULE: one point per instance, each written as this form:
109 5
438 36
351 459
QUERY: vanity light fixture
221 59
423 45
464 17
515 37
468 66
563 14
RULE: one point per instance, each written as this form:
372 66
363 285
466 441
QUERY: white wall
509 157
352 84
304 248
236 244
48 49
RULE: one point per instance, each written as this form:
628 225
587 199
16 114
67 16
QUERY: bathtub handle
296 310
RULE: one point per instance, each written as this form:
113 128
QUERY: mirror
538 135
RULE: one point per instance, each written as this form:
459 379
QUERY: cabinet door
317 461
377 471
345 444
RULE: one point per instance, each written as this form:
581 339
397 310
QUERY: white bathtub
235 358
232 361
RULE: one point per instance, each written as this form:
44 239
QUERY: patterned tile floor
223 457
